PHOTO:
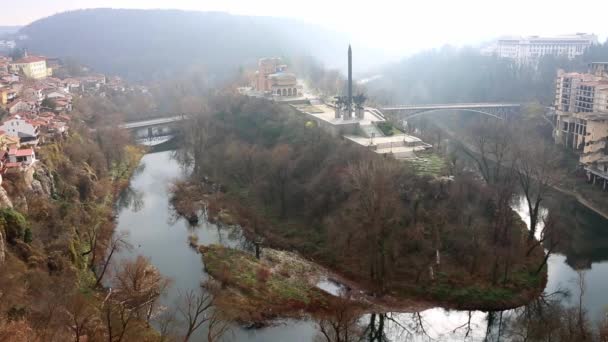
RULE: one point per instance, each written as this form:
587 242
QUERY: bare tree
118 242
82 315
197 133
551 237
536 165
218 326
281 167
373 183
196 308
166 323
492 145
341 323
137 285
582 287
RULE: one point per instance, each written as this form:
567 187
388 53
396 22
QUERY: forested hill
463 75
142 44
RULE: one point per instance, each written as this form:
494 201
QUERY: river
155 232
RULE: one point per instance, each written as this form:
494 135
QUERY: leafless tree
373 182
492 144
582 287
82 315
197 308
341 323
137 285
536 165
118 242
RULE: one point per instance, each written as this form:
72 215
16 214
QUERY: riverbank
584 201
446 291
571 180
277 285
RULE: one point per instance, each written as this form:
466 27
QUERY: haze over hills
141 44
9 29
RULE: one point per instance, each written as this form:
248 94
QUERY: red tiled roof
30 59
32 122
21 153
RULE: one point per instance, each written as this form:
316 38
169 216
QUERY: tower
349 105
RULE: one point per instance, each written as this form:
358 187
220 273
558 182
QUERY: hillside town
35 106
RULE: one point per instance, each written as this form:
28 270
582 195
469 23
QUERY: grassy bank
279 284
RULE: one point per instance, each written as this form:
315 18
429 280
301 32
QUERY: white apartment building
581 120
526 50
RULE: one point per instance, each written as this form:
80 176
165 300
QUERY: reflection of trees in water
184 160
131 199
587 239
544 319
139 169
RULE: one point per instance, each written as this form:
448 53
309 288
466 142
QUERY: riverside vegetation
58 222
374 220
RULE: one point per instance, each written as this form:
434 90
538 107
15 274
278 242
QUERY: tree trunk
105 267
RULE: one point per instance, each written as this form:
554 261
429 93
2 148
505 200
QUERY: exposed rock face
2 248
42 182
5 201
37 188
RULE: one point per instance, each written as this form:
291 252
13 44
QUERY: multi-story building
32 67
581 120
26 130
527 50
272 78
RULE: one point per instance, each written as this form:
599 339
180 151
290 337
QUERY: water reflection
164 239
144 210
130 199
545 319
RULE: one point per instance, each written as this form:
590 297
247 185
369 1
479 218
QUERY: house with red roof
19 159
24 156
19 105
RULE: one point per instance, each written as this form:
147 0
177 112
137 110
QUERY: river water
155 232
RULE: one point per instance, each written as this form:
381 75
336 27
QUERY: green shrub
13 223
27 235
386 128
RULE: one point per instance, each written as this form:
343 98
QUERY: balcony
594 170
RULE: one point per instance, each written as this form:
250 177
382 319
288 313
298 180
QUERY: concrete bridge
500 111
154 131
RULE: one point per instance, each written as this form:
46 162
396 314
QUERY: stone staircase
370 128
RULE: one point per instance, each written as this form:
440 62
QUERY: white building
21 156
526 50
24 129
581 118
7 44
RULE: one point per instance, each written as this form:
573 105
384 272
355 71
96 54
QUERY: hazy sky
398 26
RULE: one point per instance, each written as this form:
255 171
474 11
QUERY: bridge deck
452 106
151 122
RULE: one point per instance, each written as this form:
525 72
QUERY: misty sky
397 26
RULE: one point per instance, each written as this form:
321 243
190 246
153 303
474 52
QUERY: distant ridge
142 44
8 30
